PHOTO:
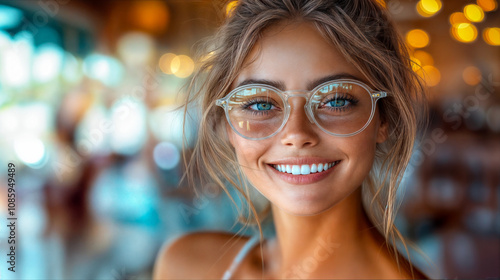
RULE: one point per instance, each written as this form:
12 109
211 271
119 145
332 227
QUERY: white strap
240 256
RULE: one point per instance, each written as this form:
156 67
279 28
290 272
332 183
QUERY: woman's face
295 56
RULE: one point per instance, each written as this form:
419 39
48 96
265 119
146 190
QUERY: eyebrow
311 85
277 84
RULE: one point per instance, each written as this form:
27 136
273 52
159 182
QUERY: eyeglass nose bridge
299 93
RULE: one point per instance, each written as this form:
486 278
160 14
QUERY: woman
315 104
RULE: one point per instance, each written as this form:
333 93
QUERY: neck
304 244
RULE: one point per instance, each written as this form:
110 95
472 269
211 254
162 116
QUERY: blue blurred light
9 17
71 70
167 122
47 63
128 126
103 68
4 39
15 60
31 151
166 155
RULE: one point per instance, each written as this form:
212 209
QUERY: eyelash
249 103
344 96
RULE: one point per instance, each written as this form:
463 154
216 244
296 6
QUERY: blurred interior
88 91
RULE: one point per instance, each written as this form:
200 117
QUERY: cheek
360 150
248 152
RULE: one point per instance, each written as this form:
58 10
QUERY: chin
306 208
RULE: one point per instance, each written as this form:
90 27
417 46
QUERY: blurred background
88 91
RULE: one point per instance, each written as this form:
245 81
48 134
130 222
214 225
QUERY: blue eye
338 103
261 106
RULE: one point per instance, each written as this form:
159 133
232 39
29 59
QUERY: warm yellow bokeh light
417 38
474 13
428 8
152 16
381 3
491 35
472 75
230 6
166 62
422 12
464 32
430 74
424 57
416 64
487 5
458 17
182 66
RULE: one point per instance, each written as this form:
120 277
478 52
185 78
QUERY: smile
304 169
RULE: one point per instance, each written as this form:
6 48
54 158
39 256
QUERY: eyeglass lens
341 108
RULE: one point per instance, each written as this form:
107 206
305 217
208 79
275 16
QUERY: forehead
294 54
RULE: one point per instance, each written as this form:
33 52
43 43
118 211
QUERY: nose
299 132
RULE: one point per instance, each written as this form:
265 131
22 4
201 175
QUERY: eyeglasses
339 107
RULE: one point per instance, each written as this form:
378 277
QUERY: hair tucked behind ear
362 31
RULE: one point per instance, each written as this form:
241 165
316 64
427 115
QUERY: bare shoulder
198 255
407 270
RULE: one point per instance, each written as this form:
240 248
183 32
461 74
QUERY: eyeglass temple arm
220 102
379 94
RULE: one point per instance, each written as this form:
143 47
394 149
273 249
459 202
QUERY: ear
382 132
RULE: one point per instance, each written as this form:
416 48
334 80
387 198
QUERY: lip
303 179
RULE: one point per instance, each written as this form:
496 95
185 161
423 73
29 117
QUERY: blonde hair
362 31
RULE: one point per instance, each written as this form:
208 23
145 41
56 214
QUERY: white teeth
314 168
304 169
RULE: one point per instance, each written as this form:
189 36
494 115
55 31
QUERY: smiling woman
315 104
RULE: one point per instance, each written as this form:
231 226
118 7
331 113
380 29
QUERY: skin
322 230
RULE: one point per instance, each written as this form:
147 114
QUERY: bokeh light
166 155
487 5
151 16
167 123
230 6
166 62
136 49
458 17
417 38
182 66
416 64
474 13
464 32
10 17
47 63
491 35
471 75
427 8
424 57
15 60
72 69
31 151
430 74
381 3
105 69
129 131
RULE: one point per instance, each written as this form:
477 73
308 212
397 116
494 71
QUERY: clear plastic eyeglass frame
285 95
